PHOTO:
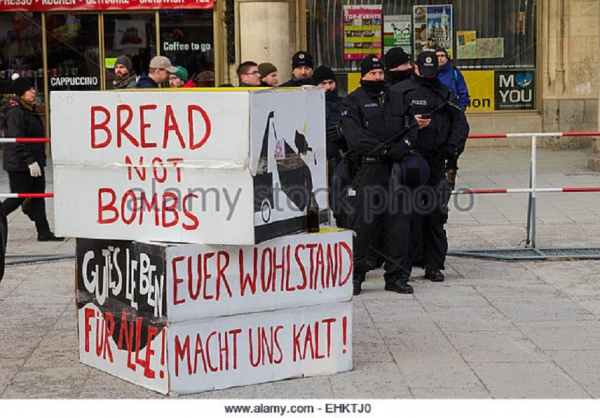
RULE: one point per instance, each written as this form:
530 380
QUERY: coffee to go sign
185 46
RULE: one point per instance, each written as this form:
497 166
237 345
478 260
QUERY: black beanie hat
396 57
301 58
21 85
321 74
124 60
369 63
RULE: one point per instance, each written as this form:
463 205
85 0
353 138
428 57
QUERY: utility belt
372 160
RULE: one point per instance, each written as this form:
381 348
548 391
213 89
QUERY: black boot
434 275
399 285
44 233
357 281
49 236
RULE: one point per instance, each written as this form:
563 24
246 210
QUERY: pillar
267 33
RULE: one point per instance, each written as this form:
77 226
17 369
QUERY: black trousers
379 208
429 241
22 182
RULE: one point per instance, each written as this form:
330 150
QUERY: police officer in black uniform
398 66
442 137
374 125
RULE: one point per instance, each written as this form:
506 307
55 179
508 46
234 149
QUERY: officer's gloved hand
332 133
450 152
398 151
35 170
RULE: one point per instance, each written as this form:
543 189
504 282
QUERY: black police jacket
446 135
335 143
377 125
22 121
297 82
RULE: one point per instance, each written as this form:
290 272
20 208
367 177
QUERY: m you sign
224 167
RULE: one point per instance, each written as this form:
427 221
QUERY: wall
570 40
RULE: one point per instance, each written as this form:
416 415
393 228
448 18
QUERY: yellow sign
479 83
481 90
353 82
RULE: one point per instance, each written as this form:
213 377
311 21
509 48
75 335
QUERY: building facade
531 65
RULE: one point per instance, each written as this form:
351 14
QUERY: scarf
121 83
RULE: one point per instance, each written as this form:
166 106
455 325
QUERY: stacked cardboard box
193 270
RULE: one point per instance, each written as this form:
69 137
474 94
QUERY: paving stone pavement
492 330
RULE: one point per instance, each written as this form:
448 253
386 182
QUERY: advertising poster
433 28
515 90
489 48
466 46
396 32
362 31
130 34
481 90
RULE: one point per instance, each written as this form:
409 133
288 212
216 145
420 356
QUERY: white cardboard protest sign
295 270
163 315
217 353
213 167
262 347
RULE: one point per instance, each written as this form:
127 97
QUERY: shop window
498 36
21 52
72 45
186 37
133 35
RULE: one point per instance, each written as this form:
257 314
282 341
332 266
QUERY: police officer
441 137
302 70
398 66
335 144
373 123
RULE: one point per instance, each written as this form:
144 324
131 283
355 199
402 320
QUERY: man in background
268 74
248 74
179 78
453 78
302 70
158 73
125 77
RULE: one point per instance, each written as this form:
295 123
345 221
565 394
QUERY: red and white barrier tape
11 140
25 195
537 190
539 135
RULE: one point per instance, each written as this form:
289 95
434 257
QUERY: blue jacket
146 82
453 78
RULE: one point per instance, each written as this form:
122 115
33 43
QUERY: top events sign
91 5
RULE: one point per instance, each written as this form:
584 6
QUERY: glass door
131 34
72 51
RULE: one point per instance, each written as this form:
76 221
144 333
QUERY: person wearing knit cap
398 66
268 74
25 161
335 143
373 123
178 78
125 77
440 142
302 70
